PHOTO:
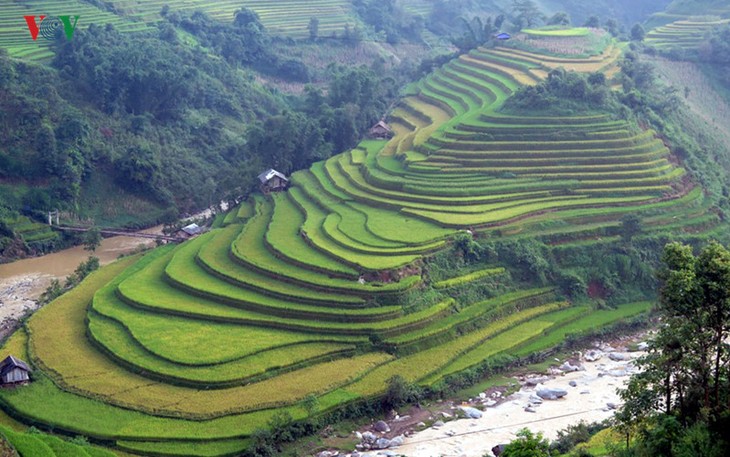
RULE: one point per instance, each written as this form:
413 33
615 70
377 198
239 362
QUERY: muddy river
23 281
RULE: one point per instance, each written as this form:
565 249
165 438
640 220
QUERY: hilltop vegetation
520 205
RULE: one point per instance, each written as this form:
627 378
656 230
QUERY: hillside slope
312 299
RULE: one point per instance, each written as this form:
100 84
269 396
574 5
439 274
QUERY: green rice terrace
319 290
288 18
685 34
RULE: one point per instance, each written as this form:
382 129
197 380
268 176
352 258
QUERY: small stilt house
14 371
380 131
189 231
273 181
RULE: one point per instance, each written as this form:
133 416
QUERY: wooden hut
273 181
380 131
14 371
189 231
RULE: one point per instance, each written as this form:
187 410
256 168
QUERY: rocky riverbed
18 296
582 387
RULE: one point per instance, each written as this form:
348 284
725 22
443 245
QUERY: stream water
23 281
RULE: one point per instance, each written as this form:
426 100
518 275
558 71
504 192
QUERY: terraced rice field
15 37
481 169
685 34
189 349
288 18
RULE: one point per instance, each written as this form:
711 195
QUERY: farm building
273 181
503 36
189 231
14 371
381 131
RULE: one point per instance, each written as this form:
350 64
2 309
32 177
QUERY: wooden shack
380 131
189 231
273 181
14 371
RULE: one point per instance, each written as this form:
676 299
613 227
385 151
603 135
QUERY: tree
400 392
465 245
687 371
313 28
612 27
637 32
527 445
526 13
310 404
53 291
560 18
630 226
92 239
593 22
477 32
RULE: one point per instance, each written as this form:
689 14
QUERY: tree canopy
684 385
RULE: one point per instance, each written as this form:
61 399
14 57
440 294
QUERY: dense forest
174 127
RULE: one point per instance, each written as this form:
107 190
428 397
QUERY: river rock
401 418
328 454
535 400
573 384
438 424
397 441
530 409
551 393
369 437
618 357
382 427
535 380
470 412
490 403
382 443
611 405
567 367
358 435
498 449
593 355
643 346
618 373
482 395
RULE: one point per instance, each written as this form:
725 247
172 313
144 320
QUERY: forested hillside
130 129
